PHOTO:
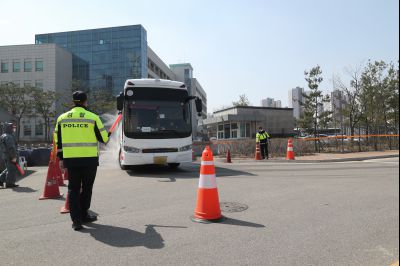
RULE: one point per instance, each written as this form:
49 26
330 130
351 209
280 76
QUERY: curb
222 160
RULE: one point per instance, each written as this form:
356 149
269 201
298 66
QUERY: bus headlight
131 149
185 148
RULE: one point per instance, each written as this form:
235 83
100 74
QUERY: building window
27 130
27 65
227 131
187 73
234 130
16 66
39 128
27 83
17 83
220 131
39 64
4 67
247 130
39 84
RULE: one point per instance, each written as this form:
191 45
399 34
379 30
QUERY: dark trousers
79 200
9 174
264 149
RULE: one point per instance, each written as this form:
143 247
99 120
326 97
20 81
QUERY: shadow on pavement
24 189
27 173
232 221
123 237
185 171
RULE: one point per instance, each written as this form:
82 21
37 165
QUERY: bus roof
163 83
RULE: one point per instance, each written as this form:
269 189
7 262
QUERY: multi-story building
96 59
295 100
184 73
47 67
104 58
270 102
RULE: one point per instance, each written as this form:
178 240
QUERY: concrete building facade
184 73
47 67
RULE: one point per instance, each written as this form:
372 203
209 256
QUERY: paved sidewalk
324 157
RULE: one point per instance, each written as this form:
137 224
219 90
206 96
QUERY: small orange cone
290 152
51 189
207 208
65 209
228 156
258 152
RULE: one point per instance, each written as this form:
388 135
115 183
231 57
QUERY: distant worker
262 138
10 157
78 133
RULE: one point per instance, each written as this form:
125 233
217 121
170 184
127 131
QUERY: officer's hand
61 164
14 160
109 134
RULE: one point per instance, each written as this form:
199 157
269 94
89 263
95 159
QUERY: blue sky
254 47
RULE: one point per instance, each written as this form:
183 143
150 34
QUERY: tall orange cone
58 173
290 151
51 189
65 208
258 152
207 208
65 177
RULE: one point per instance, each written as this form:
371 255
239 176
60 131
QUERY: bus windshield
156 119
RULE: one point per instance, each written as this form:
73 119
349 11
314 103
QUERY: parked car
40 156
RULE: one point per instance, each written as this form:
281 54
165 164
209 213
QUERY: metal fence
278 146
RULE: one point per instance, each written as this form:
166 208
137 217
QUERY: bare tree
15 100
351 108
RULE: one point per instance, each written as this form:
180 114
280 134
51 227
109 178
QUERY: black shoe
77 226
11 185
89 219
1 184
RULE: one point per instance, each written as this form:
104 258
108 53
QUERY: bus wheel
173 165
123 167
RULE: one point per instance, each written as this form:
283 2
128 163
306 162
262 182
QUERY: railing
303 146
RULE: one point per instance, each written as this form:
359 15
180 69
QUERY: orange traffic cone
258 152
228 156
58 173
51 189
65 209
207 208
290 152
65 177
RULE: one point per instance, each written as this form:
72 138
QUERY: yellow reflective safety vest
78 133
262 136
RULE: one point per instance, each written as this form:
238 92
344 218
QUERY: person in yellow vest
262 138
78 132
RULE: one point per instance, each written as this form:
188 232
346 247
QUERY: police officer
78 133
10 152
262 138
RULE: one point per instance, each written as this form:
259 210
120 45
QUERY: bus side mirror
199 106
120 102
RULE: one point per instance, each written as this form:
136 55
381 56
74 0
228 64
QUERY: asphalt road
298 214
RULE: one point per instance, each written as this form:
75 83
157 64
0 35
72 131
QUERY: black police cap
79 96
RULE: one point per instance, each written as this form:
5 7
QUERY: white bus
156 123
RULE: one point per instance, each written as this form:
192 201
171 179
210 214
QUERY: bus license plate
160 159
